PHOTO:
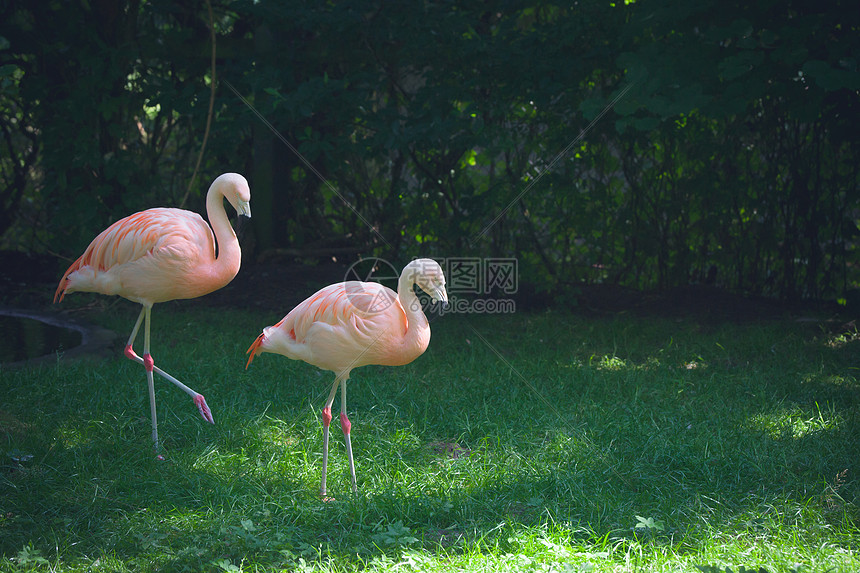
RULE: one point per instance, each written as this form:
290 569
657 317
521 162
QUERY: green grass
531 442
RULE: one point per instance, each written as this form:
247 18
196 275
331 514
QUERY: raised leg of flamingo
150 367
345 426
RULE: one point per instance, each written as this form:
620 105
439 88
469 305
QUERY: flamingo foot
200 401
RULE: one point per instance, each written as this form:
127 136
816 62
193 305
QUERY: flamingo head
235 189
428 275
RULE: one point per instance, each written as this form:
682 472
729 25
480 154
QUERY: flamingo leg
135 329
149 365
326 417
198 398
346 426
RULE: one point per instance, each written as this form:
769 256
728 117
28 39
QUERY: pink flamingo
351 324
164 254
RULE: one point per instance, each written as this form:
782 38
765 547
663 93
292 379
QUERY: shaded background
452 129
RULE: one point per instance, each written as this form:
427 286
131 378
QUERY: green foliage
393 534
113 115
29 559
649 524
440 129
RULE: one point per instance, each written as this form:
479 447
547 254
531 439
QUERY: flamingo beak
440 296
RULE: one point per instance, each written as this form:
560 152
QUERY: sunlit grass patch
797 422
595 445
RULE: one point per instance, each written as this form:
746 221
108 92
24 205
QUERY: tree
651 144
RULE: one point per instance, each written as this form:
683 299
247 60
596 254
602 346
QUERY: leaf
226 565
739 64
829 78
28 556
649 523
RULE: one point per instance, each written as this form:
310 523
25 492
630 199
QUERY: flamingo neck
417 336
229 255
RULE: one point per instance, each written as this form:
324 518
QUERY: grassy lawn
527 442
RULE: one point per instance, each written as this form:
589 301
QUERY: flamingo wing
338 328
353 305
150 240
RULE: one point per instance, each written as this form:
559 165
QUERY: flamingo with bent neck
163 254
351 324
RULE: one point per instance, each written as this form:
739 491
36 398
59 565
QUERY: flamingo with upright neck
164 254
351 324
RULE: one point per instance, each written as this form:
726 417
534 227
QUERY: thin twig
211 107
